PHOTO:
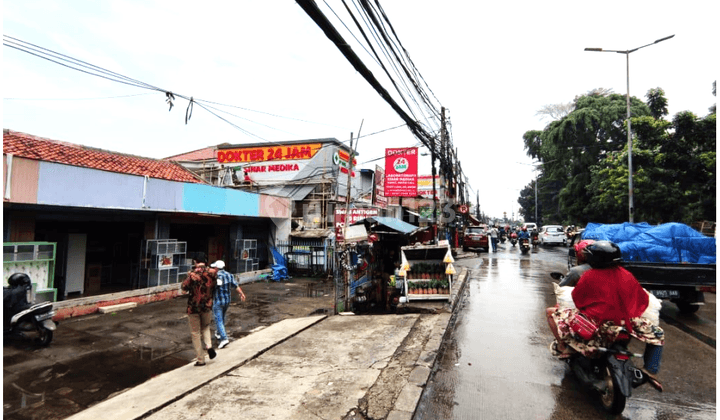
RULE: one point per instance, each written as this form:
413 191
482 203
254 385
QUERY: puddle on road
46 392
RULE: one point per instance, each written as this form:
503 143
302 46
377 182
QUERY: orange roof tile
202 154
31 147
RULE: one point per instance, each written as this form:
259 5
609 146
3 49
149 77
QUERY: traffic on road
495 361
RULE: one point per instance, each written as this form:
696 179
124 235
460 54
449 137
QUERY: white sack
564 296
653 310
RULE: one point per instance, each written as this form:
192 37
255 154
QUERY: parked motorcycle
524 245
611 373
513 238
22 319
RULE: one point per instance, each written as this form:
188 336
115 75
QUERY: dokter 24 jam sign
401 168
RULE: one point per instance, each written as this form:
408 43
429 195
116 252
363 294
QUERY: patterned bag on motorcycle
582 327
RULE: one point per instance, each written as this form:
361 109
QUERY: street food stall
427 272
385 235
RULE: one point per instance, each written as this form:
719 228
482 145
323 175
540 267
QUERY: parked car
475 237
552 234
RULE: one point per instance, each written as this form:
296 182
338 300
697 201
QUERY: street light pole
536 218
629 129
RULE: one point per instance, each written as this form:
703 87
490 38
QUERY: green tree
568 147
527 202
674 169
584 160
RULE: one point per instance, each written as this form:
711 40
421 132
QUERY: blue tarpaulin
279 269
669 242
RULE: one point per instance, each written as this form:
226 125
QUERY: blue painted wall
200 198
64 185
164 195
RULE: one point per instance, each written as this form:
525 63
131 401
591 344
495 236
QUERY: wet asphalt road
495 362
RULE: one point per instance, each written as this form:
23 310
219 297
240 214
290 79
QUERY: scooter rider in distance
524 237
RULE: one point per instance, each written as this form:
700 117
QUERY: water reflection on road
495 363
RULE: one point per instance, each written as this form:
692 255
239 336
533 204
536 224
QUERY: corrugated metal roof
296 192
393 223
311 233
36 148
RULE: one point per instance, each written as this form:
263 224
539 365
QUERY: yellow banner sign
269 153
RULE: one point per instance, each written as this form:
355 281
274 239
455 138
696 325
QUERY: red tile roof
202 154
31 147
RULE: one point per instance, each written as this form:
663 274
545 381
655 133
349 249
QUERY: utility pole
536 202
347 215
443 172
433 156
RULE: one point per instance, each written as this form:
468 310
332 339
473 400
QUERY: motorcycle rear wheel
45 336
613 400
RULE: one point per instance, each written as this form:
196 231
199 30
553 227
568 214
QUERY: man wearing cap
221 300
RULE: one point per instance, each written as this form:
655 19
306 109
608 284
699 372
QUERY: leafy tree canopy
584 157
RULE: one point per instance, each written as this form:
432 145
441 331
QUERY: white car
552 234
530 226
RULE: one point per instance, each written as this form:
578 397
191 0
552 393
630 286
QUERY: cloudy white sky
493 65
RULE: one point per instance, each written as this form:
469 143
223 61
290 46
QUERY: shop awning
473 220
392 223
419 216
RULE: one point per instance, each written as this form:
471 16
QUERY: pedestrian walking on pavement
221 300
494 237
200 285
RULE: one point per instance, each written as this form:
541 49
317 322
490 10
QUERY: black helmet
19 279
601 254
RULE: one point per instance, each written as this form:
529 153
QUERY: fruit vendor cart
426 272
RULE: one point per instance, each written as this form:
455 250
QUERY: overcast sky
493 65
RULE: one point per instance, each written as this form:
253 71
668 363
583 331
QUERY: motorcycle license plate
44 316
664 294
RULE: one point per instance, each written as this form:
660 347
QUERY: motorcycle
22 319
524 245
502 236
610 372
513 238
535 238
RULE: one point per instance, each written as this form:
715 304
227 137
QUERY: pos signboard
401 168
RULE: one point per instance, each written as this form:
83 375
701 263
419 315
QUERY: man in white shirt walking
494 237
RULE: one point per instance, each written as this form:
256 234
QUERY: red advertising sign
401 167
264 154
355 215
380 199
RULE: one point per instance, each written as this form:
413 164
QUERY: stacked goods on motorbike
597 352
673 261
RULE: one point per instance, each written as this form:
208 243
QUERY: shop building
119 222
312 173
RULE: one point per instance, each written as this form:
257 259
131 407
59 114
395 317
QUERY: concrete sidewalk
163 389
314 367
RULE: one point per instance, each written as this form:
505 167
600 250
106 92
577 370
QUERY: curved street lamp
629 130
